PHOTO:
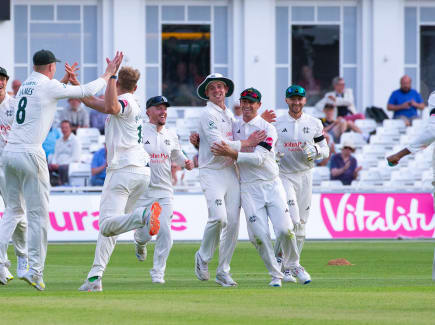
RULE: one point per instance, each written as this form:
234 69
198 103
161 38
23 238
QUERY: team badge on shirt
211 125
167 142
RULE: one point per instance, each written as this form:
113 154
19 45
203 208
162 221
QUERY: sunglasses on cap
157 100
249 93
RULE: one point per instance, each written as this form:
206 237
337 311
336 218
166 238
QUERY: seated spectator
50 142
335 127
66 151
237 110
98 167
75 114
405 101
344 165
343 99
16 84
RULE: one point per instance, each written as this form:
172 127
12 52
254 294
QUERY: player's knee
105 229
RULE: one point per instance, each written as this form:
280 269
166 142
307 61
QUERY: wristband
113 77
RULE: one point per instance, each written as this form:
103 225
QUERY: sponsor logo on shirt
284 130
218 202
158 158
293 146
147 142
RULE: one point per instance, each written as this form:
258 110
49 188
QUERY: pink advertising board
378 215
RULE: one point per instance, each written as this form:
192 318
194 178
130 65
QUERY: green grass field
389 283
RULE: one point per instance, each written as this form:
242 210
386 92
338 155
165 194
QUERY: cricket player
219 179
15 225
163 148
25 166
300 143
128 172
422 140
262 193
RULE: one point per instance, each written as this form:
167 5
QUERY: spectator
50 142
344 165
98 119
98 167
343 99
237 110
75 114
311 84
335 127
66 151
405 101
16 84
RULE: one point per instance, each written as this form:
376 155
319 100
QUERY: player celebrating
163 147
128 172
23 157
16 224
262 193
300 143
218 179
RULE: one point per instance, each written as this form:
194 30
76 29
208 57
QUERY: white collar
291 119
154 128
253 121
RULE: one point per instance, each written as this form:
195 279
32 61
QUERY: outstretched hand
113 65
72 75
269 115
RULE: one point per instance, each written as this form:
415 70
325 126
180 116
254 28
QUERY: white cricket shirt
124 135
163 148
66 152
425 137
7 110
291 134
35 108
257 164
215 126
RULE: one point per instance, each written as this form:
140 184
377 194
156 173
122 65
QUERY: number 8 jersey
124 135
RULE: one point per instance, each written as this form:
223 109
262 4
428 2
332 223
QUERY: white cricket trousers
222 191
299 189
164 237
11 225
261 200
122 188
26 176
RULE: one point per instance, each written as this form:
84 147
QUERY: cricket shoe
201 268
300 274
157 278
94 286
152 222
22 266
34 280
276 282
5 275
225 280
288 277
141 252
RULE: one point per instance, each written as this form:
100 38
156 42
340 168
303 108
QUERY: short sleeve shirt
398 97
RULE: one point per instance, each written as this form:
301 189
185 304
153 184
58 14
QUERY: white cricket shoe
95 286
22 266
201 268
141 252
300 274
276 282
225 280
34 280
5 275
156 278
288 277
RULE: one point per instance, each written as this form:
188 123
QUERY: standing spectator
342 98
16 84
98 167
98 119
75 114
344 165
66 151
50 142
405 101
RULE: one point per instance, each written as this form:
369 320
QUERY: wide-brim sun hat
348 143
214 77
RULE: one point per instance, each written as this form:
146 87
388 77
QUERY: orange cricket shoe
154 222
